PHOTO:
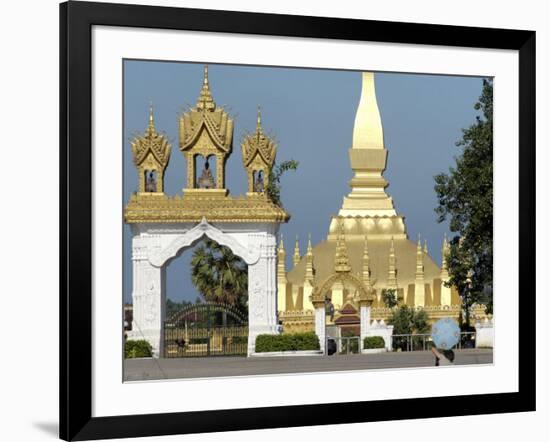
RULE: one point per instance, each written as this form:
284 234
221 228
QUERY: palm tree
219 275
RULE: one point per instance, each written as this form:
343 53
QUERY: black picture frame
76 21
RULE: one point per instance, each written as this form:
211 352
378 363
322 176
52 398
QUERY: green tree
219 275
273 188
173 307
465 197
406 321
389 296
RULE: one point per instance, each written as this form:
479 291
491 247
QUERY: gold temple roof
206 116
210 205
151 143
379 249
260 144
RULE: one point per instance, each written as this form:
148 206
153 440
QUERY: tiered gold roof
260 145
151 143
206 116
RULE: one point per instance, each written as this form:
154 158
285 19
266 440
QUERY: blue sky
311 113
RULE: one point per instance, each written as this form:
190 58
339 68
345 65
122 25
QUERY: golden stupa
373 235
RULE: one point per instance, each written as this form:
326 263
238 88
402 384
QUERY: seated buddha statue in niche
206 181
151 182
259 183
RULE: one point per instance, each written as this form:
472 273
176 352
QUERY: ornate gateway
163 226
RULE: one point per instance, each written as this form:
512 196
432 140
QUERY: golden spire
367 130
419 259
366 264
296 258
281 245
309 261
341 261
281 256
425 246
419 286
309 248
151 127
392 271
259 122
205 100
368 157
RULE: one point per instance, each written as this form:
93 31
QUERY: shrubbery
373 342
137 349
287 342
239 339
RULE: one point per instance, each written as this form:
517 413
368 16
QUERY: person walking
443 357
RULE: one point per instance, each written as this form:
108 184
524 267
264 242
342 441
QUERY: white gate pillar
365 323
147 297
262 290
320 319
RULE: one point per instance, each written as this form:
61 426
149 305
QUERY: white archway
154 245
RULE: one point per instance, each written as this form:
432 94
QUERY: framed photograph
272 221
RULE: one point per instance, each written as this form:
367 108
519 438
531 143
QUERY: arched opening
341 321
205 171
206 302
258 181
150 177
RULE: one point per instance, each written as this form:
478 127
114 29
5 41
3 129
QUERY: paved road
150 369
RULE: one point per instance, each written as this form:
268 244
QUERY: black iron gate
206 329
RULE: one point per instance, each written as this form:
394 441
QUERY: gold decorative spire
425 246
151 127
296 258
366 265
281 256
205 100
368 157
419 286
309 261
419 259
392 271
367 130
341 260
259 122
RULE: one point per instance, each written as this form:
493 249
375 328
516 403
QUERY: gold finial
296 258
392 271
425 246
259 121
341 261
281 262
151 126
419 258
205 100
309 261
